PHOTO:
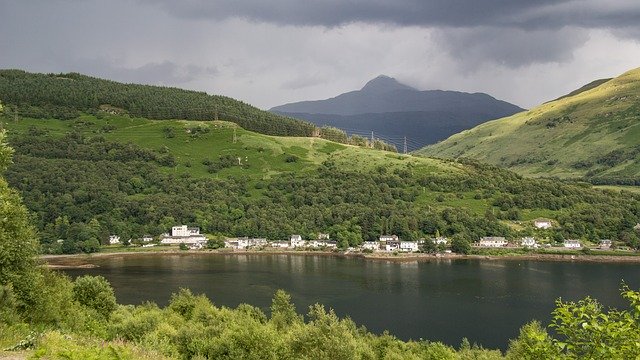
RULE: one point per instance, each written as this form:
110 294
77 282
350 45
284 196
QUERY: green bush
96 293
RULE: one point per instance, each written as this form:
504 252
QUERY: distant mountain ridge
392 109
591 133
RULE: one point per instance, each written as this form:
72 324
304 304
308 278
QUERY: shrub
96 293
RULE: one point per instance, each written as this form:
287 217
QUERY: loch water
486 301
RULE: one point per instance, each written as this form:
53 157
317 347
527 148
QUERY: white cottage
371 245
279 244
440 240
183 235
605 244
295 241
542 223
493 241
408 246
388 238
572 244
114 239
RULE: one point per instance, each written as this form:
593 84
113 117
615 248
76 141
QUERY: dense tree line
82 190
64 96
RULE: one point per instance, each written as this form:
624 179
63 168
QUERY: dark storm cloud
511 33
524 14
512 48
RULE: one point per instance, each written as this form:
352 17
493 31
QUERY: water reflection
441 300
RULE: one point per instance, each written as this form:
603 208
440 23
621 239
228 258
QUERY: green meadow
593 133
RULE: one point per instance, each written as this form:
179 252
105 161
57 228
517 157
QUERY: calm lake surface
486 301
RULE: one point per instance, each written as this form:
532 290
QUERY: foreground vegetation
593 134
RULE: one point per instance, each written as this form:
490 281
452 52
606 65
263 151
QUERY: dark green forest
66 96
81 189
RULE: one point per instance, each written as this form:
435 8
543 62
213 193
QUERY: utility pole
405 144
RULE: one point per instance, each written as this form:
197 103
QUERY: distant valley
393 111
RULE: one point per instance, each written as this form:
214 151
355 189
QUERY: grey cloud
164 73
301 82
524 14
510 48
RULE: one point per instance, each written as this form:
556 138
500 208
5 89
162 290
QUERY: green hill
66 96
193 145
592 133
89 177
87 172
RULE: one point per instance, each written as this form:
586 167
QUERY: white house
184 231
388 238
440 240
296 241
330 244
279 244
528 242
315 243
605 244
542 224
408 246
183 235
147 238
322 236
234 244
257 242
244 243
391 246
321 244
493 241
572 244
371 245
114 239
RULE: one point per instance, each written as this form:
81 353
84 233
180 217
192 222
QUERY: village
190 238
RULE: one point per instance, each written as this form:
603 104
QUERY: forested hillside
592 133
87 178
66 96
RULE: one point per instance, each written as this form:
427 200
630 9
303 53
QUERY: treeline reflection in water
486 301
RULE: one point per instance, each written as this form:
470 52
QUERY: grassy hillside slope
593 134
192 143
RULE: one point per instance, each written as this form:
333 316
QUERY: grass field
566 138
261 156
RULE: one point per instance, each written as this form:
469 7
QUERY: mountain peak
383 84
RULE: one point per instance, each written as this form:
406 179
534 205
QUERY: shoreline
83 261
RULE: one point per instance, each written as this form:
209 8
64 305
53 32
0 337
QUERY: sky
269 53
